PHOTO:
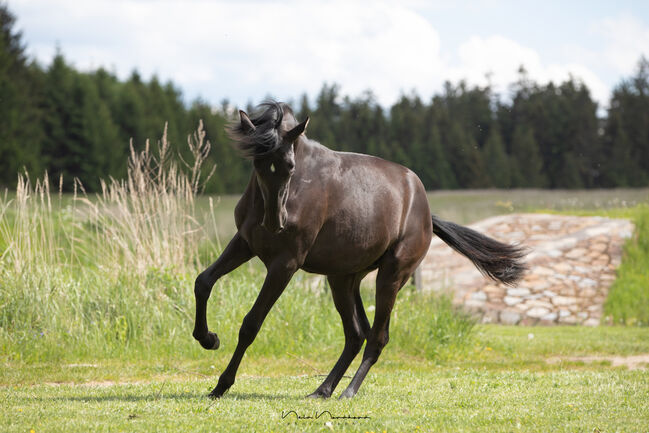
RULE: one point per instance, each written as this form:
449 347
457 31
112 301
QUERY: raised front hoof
318 394
348 393
210 341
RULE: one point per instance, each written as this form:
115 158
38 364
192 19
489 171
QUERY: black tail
501 262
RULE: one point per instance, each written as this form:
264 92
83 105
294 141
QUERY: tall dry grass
149 219
75 266
145 221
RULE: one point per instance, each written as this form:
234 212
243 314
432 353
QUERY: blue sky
246 50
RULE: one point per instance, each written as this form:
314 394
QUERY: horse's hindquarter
370 204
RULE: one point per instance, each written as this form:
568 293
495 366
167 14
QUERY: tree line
79 124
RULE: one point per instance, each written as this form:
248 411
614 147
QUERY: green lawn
502 383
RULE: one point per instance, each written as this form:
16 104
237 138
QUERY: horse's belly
337 252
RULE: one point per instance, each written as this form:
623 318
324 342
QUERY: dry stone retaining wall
572 266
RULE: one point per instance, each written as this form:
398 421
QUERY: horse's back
388 188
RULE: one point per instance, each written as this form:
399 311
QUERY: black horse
338 214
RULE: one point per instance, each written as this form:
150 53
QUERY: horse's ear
246 124
294 133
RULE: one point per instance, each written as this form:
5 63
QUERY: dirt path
632 362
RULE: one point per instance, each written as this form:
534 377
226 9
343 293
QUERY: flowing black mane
265 139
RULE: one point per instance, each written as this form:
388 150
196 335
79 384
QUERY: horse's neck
310 152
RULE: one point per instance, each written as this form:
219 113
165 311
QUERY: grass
503 383
477 401
628 300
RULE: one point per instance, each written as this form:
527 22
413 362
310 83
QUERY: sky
247 50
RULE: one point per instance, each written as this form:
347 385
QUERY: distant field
466 206
460 206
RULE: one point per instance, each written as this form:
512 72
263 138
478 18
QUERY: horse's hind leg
360 310
394 271
345 290
236 253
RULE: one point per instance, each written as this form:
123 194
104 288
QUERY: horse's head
269 138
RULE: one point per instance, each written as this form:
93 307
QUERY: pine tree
20 132
131 112
81 140
441 175
526 164
466 159
326 117
62 122
621 167
627 132
496 159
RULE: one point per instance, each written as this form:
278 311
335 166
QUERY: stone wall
572 266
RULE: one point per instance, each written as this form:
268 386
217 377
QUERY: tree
326 116
62 122
407 131
466 159
20 135
626 137
358 122
496 159
81 138
525 162
131 110
440 173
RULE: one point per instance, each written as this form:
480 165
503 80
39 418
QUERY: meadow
96 313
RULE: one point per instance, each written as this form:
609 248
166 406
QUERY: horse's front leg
279 274
235 254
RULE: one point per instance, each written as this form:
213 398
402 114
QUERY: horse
338 214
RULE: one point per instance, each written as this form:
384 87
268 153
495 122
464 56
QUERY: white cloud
234 49
246 50
500 58
626 39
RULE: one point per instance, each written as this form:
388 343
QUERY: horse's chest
267 245
261 242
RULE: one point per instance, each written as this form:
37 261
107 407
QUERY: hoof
210 341
348 393
318 394
217 392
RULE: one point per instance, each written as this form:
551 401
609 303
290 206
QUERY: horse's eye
272 168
